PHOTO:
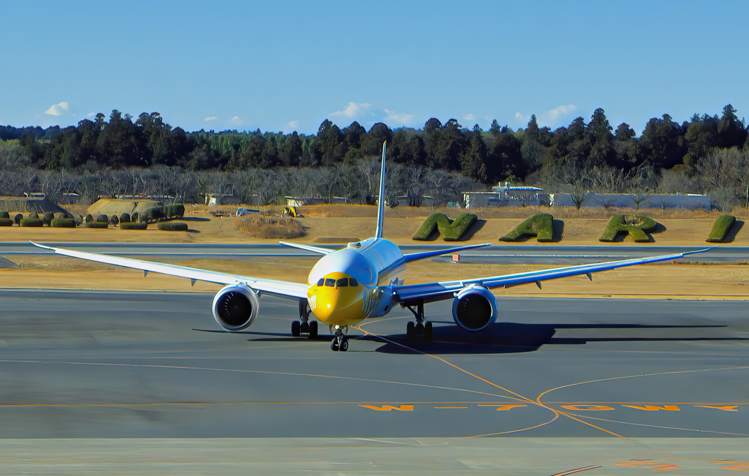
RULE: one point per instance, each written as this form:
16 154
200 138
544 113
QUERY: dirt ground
666 281
343 223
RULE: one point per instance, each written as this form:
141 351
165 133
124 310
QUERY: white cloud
210 118
292 125
91 115
469 117
236 120
553 115
394 118
550 117
353 110
58 109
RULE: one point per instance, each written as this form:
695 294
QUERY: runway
108 365
496 254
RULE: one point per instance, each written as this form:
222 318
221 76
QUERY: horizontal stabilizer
428 254
313 249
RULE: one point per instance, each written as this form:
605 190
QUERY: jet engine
474 308
235 307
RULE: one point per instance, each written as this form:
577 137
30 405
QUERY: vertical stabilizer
381 202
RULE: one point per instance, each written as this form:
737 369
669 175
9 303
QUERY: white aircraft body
358 282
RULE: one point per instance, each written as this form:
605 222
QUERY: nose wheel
420 328
304 325
340 341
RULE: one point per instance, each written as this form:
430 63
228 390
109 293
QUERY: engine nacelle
235 307
475 308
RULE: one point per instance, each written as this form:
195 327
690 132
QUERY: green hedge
721 228
540 225
131 225
636 226
4 215
5 221
125 218
102 218
17 219
28 222
451 230
172 226
63 223
96 224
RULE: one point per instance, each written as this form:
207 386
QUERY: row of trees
531 153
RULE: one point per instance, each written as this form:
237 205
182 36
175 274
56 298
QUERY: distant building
507 195
297 201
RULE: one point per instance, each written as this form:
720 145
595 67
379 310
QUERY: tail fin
381 204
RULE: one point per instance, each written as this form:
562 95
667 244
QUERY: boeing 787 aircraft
358 282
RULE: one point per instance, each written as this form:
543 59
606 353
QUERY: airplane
361 281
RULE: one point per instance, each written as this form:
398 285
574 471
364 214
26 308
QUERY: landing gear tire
312 330
296 328
304 327
428 332
340 341
410 332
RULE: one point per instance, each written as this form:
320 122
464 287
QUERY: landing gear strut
304 326
419 328
340 340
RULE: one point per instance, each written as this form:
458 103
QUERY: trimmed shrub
4 221
451 230
17 219
153 215
63 223
172 226
721 228
540 225
102 218
96 224
131 225
47 218
113 220
636 226
270 226
175 210
125 218
4 215
135 218
29 222
88 218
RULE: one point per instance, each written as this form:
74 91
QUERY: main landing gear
419 328
340 340
304 326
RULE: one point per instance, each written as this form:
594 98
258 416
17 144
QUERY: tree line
499 153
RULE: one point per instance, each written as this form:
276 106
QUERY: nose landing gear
419 328
304 326
340 340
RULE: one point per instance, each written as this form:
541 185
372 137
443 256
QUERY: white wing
445 290
268 286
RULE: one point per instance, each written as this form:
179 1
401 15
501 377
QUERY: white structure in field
507 195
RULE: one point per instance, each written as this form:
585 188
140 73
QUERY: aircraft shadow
500 338
509 337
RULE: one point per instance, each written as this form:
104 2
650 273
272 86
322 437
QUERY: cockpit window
330 282
352 282
341 283
321 282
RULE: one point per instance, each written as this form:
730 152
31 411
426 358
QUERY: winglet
41 246
694 252
381 204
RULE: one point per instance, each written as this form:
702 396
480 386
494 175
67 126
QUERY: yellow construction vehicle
295 212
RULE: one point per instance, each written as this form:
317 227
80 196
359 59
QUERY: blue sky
288 65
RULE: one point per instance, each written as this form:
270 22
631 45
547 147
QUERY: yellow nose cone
336 304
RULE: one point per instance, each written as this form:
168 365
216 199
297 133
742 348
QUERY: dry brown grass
269 226
662 281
